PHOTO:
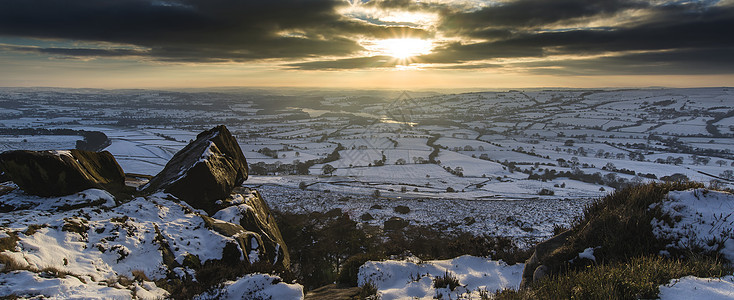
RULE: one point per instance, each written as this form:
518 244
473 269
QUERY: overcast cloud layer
540 36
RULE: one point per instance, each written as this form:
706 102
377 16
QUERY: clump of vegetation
348 273
620 225
546 192
369 291
401 209
211 274
628 264
9 242
448 280
330 247
637 278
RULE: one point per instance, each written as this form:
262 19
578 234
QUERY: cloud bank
585 37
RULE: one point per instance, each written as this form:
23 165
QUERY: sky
392 44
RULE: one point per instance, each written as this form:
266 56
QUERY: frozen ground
527 221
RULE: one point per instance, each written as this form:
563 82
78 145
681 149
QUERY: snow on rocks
90 197
57 173
691 287
30 284
105 244
411 278
97 243
588 253
255 286
204 171
697 219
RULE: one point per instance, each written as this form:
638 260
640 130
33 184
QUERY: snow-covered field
527 221
486 147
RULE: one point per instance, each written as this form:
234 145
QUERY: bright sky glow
403 48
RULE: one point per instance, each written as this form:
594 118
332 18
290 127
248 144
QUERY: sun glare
403 48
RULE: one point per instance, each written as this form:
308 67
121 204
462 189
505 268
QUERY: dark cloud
407 5
370 62
457 52
198 30
673 27
74 52
678 36
678 62
524 14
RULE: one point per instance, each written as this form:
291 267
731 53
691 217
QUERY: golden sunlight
403 48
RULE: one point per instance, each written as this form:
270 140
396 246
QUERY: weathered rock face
534 267
204 171
59 173
249 221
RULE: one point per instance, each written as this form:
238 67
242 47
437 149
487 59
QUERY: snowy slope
90 245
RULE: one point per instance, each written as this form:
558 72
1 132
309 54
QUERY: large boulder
204 171
59 173
247 209
395 223
534 268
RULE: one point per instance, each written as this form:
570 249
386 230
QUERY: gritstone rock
253 220
204 171
59 173
534 268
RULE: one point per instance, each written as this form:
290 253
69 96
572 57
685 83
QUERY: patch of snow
106 244
148 290
185 272
208 152
253 256
61 152
92 197
588 253
701 219
691 287
29 284
255 286
232 214
409 278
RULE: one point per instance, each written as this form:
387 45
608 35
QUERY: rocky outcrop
534 269
59 173
334 292
204 171
247 210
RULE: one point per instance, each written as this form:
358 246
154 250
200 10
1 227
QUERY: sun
403 48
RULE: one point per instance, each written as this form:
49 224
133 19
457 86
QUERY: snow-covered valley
517 164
